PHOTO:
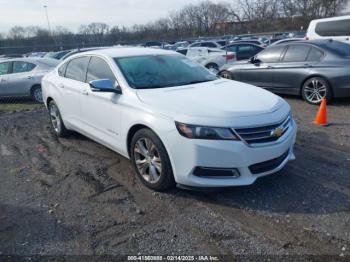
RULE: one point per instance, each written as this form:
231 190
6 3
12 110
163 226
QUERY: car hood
220 102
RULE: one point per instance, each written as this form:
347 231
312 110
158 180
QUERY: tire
151 161
315 89
56 120
213 67
226 74
37 95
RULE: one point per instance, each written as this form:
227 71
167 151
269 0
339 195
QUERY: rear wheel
56 120
315 89
226 74
37 95
151 161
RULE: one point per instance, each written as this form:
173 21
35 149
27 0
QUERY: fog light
216 172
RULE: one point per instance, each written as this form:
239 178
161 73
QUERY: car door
259 72
101 112
4 72
71 87
20 81
293 67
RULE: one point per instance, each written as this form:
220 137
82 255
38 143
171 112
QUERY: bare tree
16 33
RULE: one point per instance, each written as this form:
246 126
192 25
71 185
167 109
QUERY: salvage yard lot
75 197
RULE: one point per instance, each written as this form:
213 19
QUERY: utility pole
47 18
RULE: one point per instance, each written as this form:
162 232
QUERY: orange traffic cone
321 118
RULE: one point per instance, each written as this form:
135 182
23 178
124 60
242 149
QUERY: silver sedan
21 77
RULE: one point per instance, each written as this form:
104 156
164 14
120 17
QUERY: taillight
229 57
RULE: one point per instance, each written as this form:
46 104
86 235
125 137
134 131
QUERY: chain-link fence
13 104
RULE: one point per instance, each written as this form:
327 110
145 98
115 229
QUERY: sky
73 13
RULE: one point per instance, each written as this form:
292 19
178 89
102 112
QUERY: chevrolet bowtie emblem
278 132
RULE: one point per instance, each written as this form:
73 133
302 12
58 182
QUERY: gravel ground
75 197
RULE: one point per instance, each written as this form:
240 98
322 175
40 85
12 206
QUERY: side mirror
254 60
104 85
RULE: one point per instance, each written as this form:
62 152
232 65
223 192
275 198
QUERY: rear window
338 48
315 55
333 28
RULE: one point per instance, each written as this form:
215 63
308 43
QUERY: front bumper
186 154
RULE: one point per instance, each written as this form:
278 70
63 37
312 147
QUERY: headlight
205 132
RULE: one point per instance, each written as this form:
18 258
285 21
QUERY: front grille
269 165
264 134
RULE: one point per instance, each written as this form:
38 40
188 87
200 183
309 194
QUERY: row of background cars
314 65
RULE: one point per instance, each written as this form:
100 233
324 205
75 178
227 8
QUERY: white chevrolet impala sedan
176 121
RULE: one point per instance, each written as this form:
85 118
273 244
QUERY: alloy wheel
55 118
38 95
226 75
148 161
315 90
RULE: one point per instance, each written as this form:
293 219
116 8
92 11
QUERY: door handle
270 67
60 85
85 92
307 65
29 77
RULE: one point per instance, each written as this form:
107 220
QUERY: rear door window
76 69
296 53
315 55
21 67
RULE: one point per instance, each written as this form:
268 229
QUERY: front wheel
151 161
315 89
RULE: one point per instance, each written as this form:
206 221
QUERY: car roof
25 59
129 51
317 42
242 43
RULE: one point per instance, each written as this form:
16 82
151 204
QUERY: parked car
336 28
176 121
9 56
182 44
57 55
313 69
286 40
243 50
182 51
21 77
211 58
79 50
254 41
210 44
36 54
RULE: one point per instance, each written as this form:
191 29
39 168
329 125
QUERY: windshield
158 71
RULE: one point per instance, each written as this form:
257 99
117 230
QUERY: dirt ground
75 197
